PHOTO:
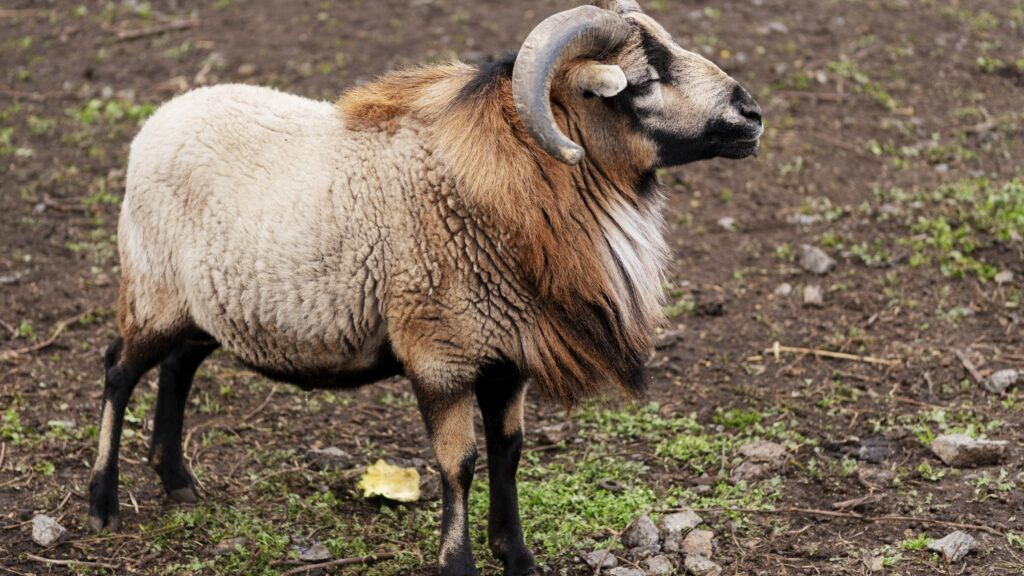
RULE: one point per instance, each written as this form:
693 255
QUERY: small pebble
641 532
815 260
604 558
813 296
699 543
784 290
658 566
962 451
623 571
1002 381
315 553
701 566
46 531
1004 277
954 546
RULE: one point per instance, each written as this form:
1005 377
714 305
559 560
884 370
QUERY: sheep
471 228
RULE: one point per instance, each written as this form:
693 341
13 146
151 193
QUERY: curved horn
619 6
587 31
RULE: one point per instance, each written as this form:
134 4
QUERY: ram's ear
601 80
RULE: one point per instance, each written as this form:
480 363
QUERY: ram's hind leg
177 371
126 361
448 414
501 392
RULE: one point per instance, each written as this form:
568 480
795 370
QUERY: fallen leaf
391 482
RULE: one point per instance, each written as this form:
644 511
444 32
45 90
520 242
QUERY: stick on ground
777 350
359 561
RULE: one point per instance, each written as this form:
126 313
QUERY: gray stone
680 522
727 223
658 566
641 532
954 546
673 542
962 451
1004 277
555 433
784 290
623 571
815 260
748 471
46 531
601 558
330 458
229 546
699 543
1002 381
763 451
701 566
803 219
641 552
814 297
315 553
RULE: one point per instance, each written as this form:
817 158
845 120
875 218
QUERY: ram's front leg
448 415
501 393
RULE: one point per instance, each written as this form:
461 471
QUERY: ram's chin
737 149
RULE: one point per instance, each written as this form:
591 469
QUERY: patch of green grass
846 69
644 422
567 510
926 472
955 221
737 419
111 111
919 542
11 428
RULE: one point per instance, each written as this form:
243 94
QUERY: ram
473 228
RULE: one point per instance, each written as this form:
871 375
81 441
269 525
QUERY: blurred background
877 239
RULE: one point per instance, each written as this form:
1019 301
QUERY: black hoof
103 506
520 565
186 495
110 523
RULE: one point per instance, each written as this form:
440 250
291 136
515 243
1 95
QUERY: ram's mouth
737 148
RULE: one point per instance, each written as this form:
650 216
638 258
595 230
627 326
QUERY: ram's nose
746 106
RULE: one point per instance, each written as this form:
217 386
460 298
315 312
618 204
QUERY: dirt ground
895 143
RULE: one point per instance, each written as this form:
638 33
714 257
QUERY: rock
727 223
673 542
763 451
954 546
623 571
1004 277
230 545
247 70
641 532
699 543
784 290
750 472
680 522
315 553
814 260
962 451
1002 381
46 531
12 279
873 562
658 566
803 219
641 552
555 433
875 478
709 308
667 339
330 458
813 296
601 559
701 566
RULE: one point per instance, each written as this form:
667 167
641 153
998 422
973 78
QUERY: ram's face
687 105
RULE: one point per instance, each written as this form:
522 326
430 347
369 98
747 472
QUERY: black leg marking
176 374
449 420
124 367
500 392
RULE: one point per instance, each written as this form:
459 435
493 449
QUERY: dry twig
125 35
856 516
358 561
55 562
777 350
55 334
969 366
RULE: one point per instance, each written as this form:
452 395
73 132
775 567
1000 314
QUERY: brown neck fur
594 322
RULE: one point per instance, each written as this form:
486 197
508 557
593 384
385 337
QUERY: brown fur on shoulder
593 323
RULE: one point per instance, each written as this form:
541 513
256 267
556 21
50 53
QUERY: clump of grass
955 221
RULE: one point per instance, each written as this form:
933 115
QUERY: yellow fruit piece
391 482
